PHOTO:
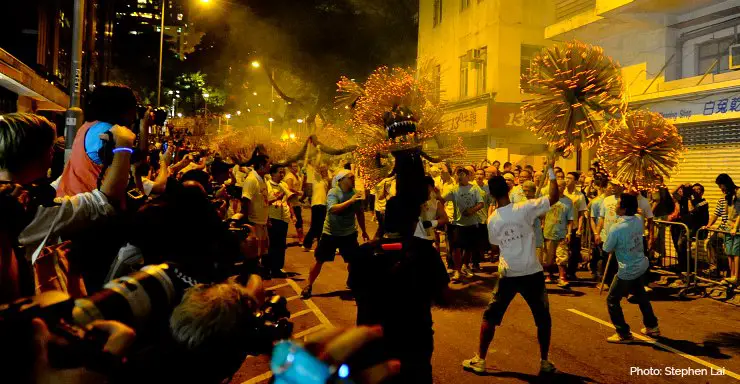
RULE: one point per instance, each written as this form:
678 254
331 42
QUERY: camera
271 324
160 114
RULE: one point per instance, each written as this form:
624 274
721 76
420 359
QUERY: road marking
300 313
274 287
309 331
259 379
293 298
322 318
662 346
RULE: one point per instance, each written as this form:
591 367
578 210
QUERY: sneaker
456 276
563 284
663 280
648 289
547 367
730 280
306 292
465 270
618 339
605 287
476 364
678 284
548 280
652 332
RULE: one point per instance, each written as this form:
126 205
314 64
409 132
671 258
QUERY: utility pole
73 116
161 47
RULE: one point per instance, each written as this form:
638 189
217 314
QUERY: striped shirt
721 212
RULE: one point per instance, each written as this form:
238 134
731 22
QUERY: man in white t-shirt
294 181
319 190
254 201
579 215
510 229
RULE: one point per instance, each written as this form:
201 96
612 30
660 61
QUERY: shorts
263 241
732 245
328 245
465 238
556 251
531 287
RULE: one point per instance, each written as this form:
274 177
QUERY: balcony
690 85
602 18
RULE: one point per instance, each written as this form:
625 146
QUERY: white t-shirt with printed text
511 228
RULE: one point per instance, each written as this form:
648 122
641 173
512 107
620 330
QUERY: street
701 337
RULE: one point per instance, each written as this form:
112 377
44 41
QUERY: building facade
35 53
477 50
680 58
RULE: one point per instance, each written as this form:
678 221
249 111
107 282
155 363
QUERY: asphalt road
699 337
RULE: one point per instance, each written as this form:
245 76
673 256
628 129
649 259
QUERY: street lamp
256 64
292 136
227 116
179 114
270 120
300 121
254 93
238 113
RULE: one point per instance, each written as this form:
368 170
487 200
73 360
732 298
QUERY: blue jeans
620 289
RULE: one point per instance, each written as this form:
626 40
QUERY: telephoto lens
136 300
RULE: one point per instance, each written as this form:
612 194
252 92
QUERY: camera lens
134 299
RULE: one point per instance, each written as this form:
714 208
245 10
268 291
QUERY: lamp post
271 120
161 45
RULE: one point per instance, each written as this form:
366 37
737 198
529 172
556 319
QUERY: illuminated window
179 17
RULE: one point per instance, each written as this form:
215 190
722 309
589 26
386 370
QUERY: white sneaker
547 366
476 364
652 332
465 270
456 276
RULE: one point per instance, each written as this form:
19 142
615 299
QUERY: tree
316 41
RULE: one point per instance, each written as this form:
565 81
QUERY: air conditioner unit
735 56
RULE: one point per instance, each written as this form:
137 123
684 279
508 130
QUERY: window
714 54
481 66
464 76
464 4
437 79
437 12
179 17
528 53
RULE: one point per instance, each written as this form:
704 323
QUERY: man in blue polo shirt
625 240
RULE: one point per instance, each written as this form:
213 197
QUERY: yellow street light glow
205 1
300 121
227 116
179 114
205 95
249 110
254 93
271 119
256 64
292 136
238 113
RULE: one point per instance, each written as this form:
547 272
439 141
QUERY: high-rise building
35 52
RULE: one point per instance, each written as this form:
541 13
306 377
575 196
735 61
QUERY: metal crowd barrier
672 239
709 247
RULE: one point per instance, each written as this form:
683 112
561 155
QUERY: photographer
109 105
26 142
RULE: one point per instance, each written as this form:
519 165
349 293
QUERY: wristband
551 174
123 149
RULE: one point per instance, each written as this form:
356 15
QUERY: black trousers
298 212
575 253
318 214
620 289
278 234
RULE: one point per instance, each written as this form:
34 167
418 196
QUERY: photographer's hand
43 372
123 137
335 346
120 336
